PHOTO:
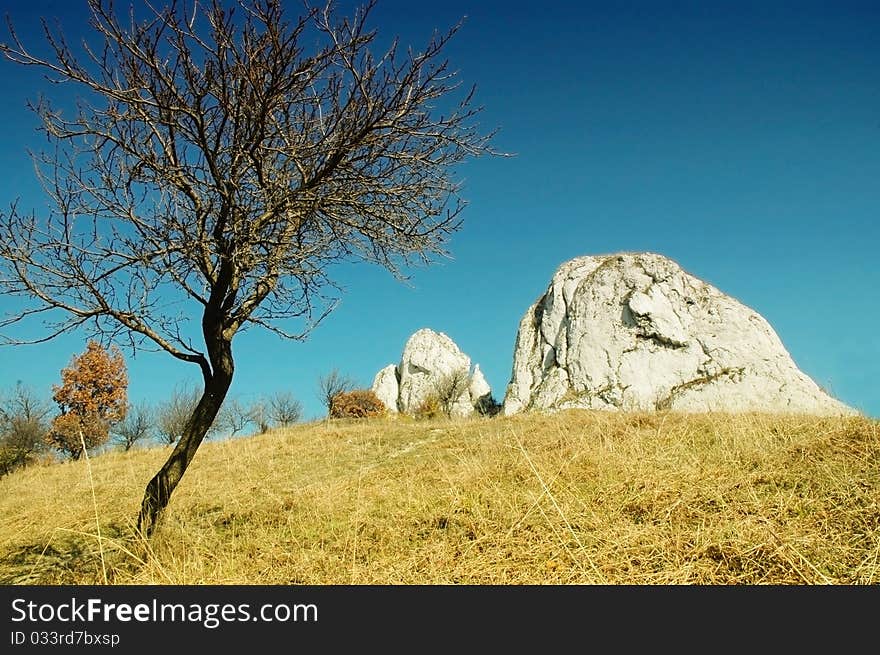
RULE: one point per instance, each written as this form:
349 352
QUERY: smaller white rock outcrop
479 388
386 387
481 394
430 361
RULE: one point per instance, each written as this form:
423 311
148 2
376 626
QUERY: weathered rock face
633 331
387 387
428 359
478 387
482 399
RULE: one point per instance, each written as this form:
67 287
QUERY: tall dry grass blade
782 545
94 505
552 498
39 559
357 509
872 574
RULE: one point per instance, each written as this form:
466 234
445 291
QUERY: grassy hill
576 497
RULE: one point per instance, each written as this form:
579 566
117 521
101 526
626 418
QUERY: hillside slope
575 497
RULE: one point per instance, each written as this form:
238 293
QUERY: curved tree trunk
159 489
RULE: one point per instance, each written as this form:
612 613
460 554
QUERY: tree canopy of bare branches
331 384
284 409
216 165
280 409
234 417
24 422
137 425
450 388
171 415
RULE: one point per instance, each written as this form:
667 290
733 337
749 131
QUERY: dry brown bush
359 403
429 408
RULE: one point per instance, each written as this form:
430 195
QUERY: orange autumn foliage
93 396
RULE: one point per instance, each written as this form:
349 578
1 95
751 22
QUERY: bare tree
284 409
331 384
277 410
173 414
450 387
222 161
259 414
233 417
24 403
24 423
280 409
136 426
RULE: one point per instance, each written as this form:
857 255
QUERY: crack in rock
733 374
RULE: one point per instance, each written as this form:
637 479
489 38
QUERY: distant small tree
277 410
233 418
23 427
92 396
332 384
284 409
137 426
259 413
488 406
172 414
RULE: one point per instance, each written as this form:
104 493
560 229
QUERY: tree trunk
159 490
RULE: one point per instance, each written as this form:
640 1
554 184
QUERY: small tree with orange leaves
92 397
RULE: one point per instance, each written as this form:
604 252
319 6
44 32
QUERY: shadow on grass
71 557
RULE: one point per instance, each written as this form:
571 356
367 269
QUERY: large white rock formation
428 359
633 331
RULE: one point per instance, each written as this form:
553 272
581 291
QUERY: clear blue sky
740 139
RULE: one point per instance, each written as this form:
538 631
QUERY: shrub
359 403
488 406
430 407
449 388
21 442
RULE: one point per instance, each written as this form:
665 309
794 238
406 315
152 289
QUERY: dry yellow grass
576 497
